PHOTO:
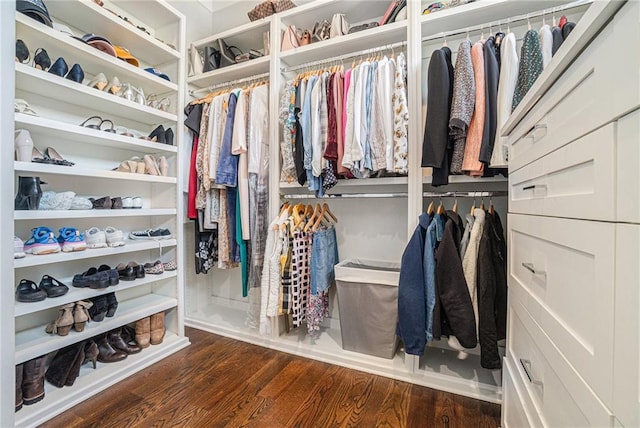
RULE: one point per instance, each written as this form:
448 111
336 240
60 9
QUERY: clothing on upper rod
349 123
467 105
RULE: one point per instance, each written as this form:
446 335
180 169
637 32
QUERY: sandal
28 291
112 129
21 106
41 60
62 325
38 157
52 286
23 56
53 155
91 125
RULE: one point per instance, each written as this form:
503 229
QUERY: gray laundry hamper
368 306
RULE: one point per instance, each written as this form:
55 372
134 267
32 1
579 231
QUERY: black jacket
456 316
491 73
492 291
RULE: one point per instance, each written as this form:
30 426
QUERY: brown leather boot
33 380
106 353
157 328
143 332
117 342
19 387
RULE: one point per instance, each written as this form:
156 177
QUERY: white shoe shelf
62 105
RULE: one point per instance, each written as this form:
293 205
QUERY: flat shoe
52 286
28 291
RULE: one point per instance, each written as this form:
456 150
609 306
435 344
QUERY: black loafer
126 273
92 279
52 286
114 277
28 291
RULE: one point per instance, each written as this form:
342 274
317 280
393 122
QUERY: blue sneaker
42 241
71 239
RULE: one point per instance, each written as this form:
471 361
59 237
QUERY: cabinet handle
526 363
534 187
533 270
540 128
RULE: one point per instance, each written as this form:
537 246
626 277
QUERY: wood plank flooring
220 382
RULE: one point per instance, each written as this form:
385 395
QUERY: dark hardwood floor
219 382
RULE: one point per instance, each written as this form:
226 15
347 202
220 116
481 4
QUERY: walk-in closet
441 194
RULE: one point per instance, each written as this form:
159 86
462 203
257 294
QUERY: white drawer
575 181
563 271
628 172
558 393
596 89
517 409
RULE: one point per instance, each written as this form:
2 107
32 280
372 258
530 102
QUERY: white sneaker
95 238
115 237
18 248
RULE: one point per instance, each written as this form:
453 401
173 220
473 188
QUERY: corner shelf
129 247
232 72
40 168
91 382
35 342
100 21
92 60
118 213
75 294
81 134
30 79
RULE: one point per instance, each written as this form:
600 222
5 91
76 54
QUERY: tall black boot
61 365
77 362
33 380
29 193
19 369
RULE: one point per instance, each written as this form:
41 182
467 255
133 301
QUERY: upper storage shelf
92 18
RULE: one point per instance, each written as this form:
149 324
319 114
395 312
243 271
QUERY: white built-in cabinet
572 341
62 105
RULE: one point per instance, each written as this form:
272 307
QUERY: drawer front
627 171
575 181
563 270
594 90
560 396
517 409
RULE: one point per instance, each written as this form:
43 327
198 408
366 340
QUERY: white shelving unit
62 106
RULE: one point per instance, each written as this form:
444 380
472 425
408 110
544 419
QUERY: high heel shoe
99 82
62 325
114 86
168 137
158 134
126 92
29 193
59 68
76 74
55 157
81 315
41 60
139 96
22 52
91 352
23 145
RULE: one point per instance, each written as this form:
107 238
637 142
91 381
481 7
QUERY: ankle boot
61 367
81 314
143 332
117 341
19 370
62 325
91 352
29 193
33 380
157 328
106 353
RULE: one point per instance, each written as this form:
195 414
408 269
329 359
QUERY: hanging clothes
506 89
471 161
491 75
531 65
462 104
546 44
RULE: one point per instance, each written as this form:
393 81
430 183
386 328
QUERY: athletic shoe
95 238
42 241
18 248
70 239
115 237
152 234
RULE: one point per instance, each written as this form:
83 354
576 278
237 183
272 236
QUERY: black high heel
42 60
59 68
158 134
168 137
22 52
76 74
29 193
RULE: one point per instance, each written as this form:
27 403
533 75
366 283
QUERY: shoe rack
62 105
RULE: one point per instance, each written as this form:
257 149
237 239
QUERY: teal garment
242 244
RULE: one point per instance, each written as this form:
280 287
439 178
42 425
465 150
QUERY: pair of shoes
101 83
18 248
132 202
171 265
130 271
70 239
30 382
103 306
74 315
107 353
60 68
109 237
161 104
107 203
159 167
64 368
150 330
26 152
96 278
28 291
156 268
29 193
23 55
162 136
131 93
150 234
42 241
97 125
50 157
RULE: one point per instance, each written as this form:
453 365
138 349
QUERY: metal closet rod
343 57
508 21
397 195
231 83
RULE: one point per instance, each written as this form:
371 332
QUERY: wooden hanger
473 206
482 204
430 208
491 209
314 216
441 210
326 210
455 206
